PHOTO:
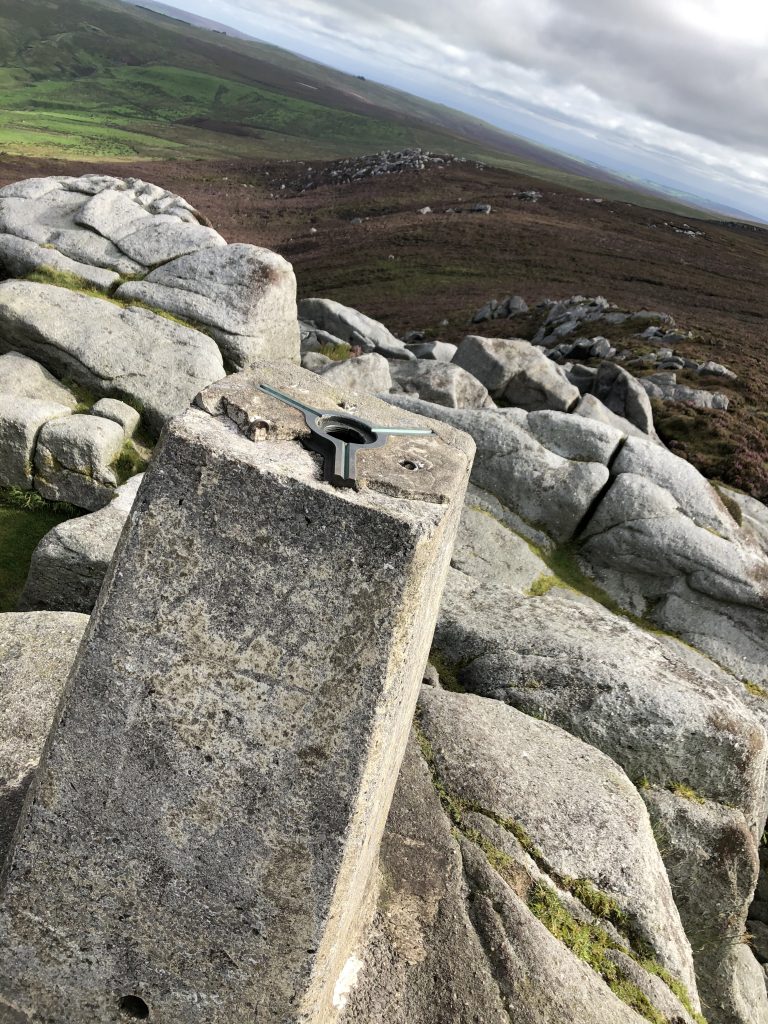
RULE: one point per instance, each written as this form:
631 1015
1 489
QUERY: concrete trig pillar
203 834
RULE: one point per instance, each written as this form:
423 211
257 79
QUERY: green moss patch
449 671
25 518
63 279
543 584
129 462
73 283
685 791
338 353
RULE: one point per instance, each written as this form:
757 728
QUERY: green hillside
101 79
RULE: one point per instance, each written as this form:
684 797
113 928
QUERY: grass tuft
685 791
25 518
543 584
128 463
63 279
338 353
73 283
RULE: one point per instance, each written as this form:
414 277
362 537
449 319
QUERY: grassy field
21 529
161 112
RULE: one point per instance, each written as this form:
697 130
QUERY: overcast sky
674 91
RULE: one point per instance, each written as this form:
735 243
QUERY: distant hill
105 79
191 19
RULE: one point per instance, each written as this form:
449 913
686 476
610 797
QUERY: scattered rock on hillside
512 305
665 388
713 369
344 172
365 373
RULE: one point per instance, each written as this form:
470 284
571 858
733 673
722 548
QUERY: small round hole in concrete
411 464
135 1007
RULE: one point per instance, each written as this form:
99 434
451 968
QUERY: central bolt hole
347 430
134 1006
344 433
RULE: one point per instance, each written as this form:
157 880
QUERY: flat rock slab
255 657
611 684
453 942
518 372
84 217
115 351
36 654
369 372
575 804
440 382
354 327
161 239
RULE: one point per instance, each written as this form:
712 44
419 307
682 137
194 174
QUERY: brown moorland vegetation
414 271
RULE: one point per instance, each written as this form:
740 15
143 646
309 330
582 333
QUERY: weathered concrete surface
36 654
234 724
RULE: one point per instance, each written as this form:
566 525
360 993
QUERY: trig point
202 838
